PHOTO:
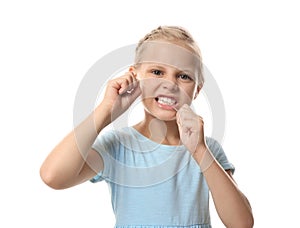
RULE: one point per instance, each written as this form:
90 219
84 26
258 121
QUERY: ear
132 69
136 71
198 89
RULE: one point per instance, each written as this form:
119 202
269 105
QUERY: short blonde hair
177 35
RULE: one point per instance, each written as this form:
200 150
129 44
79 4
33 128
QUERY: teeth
166 100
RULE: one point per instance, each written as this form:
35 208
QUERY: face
165 89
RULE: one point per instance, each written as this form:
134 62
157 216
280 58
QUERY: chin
162 115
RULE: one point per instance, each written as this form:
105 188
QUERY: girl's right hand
120 93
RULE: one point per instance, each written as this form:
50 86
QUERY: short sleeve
97 178
105 145
219 154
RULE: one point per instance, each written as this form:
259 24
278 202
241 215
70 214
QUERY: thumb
136 90
178 121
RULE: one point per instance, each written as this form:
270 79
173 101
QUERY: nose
169 82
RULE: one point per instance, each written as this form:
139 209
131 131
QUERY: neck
164 132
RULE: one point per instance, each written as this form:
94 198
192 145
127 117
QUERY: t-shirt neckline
146 139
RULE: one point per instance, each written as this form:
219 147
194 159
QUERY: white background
251 48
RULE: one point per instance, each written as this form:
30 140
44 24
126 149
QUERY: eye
157 72
185 77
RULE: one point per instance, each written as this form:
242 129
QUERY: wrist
200 151
203 157
102 116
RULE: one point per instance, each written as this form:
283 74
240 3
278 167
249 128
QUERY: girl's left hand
190 127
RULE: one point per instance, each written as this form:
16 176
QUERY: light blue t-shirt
154 185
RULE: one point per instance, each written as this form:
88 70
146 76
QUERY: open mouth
166 101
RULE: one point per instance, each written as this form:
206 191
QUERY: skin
180 125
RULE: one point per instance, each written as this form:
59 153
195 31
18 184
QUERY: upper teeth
166 100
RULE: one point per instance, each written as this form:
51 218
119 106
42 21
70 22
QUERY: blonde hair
177 35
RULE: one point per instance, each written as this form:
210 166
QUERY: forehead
169 54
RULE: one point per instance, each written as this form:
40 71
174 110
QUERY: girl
160 170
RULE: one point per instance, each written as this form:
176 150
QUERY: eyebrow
161 67
156 66
164 68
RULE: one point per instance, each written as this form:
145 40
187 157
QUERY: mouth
166 102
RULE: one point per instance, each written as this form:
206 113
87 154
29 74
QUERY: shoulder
214 145
115 134
111 138
217 150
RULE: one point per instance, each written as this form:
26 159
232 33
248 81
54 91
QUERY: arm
73 160
69 162
232 206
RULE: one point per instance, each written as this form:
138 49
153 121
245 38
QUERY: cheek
187 95
185 100
148 87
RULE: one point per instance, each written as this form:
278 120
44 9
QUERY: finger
186 115
178 119
130 77
185 107
124 84
136 91
133 82
132 90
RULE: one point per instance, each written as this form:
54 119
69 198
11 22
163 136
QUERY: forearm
231 205
66 160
